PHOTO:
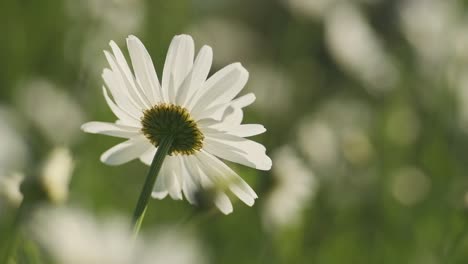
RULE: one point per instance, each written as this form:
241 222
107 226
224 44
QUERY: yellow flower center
164 120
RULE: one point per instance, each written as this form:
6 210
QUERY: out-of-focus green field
368 98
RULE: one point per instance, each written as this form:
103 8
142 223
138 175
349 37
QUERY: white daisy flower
200 114
56 174
10 188
75 236
295 186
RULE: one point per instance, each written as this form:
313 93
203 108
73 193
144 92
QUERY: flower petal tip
265 165
85 127
105 159
159 195
132 37
226 211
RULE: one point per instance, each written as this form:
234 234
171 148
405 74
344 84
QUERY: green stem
161 153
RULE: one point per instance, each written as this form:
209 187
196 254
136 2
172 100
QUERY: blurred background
365 104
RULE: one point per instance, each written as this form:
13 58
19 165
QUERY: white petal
221 200
168 180
219 111
205 180
178 63
191 163
126 79
213 112
220 172
247 130
196 77
171 177
159 190
144 69
233 116
119 112
128 76
110 129
147 157
189 187
223 203
118 90
199 173
220 88
237 149
126 151
243 101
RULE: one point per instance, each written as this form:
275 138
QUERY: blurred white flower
410 185
437 32
357 48
10 188
295 186
13 148
310 8
357 148
76 237
319 142
122 16
318 8
337 134
56 174
429 26
201 115
59 116
174 246
102 20
273 89
231 40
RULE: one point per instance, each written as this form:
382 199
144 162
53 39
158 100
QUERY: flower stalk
163 149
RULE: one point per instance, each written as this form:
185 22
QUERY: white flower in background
174 246
76 237
307 8
429 25
10 188
58 109
231 40
200 114
14 151
336 140
54 178
273 88
319 142
337 134
56 174
295 186
120 15
437 32
92 28
318 8
356 47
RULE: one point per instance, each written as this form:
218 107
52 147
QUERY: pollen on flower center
172 120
